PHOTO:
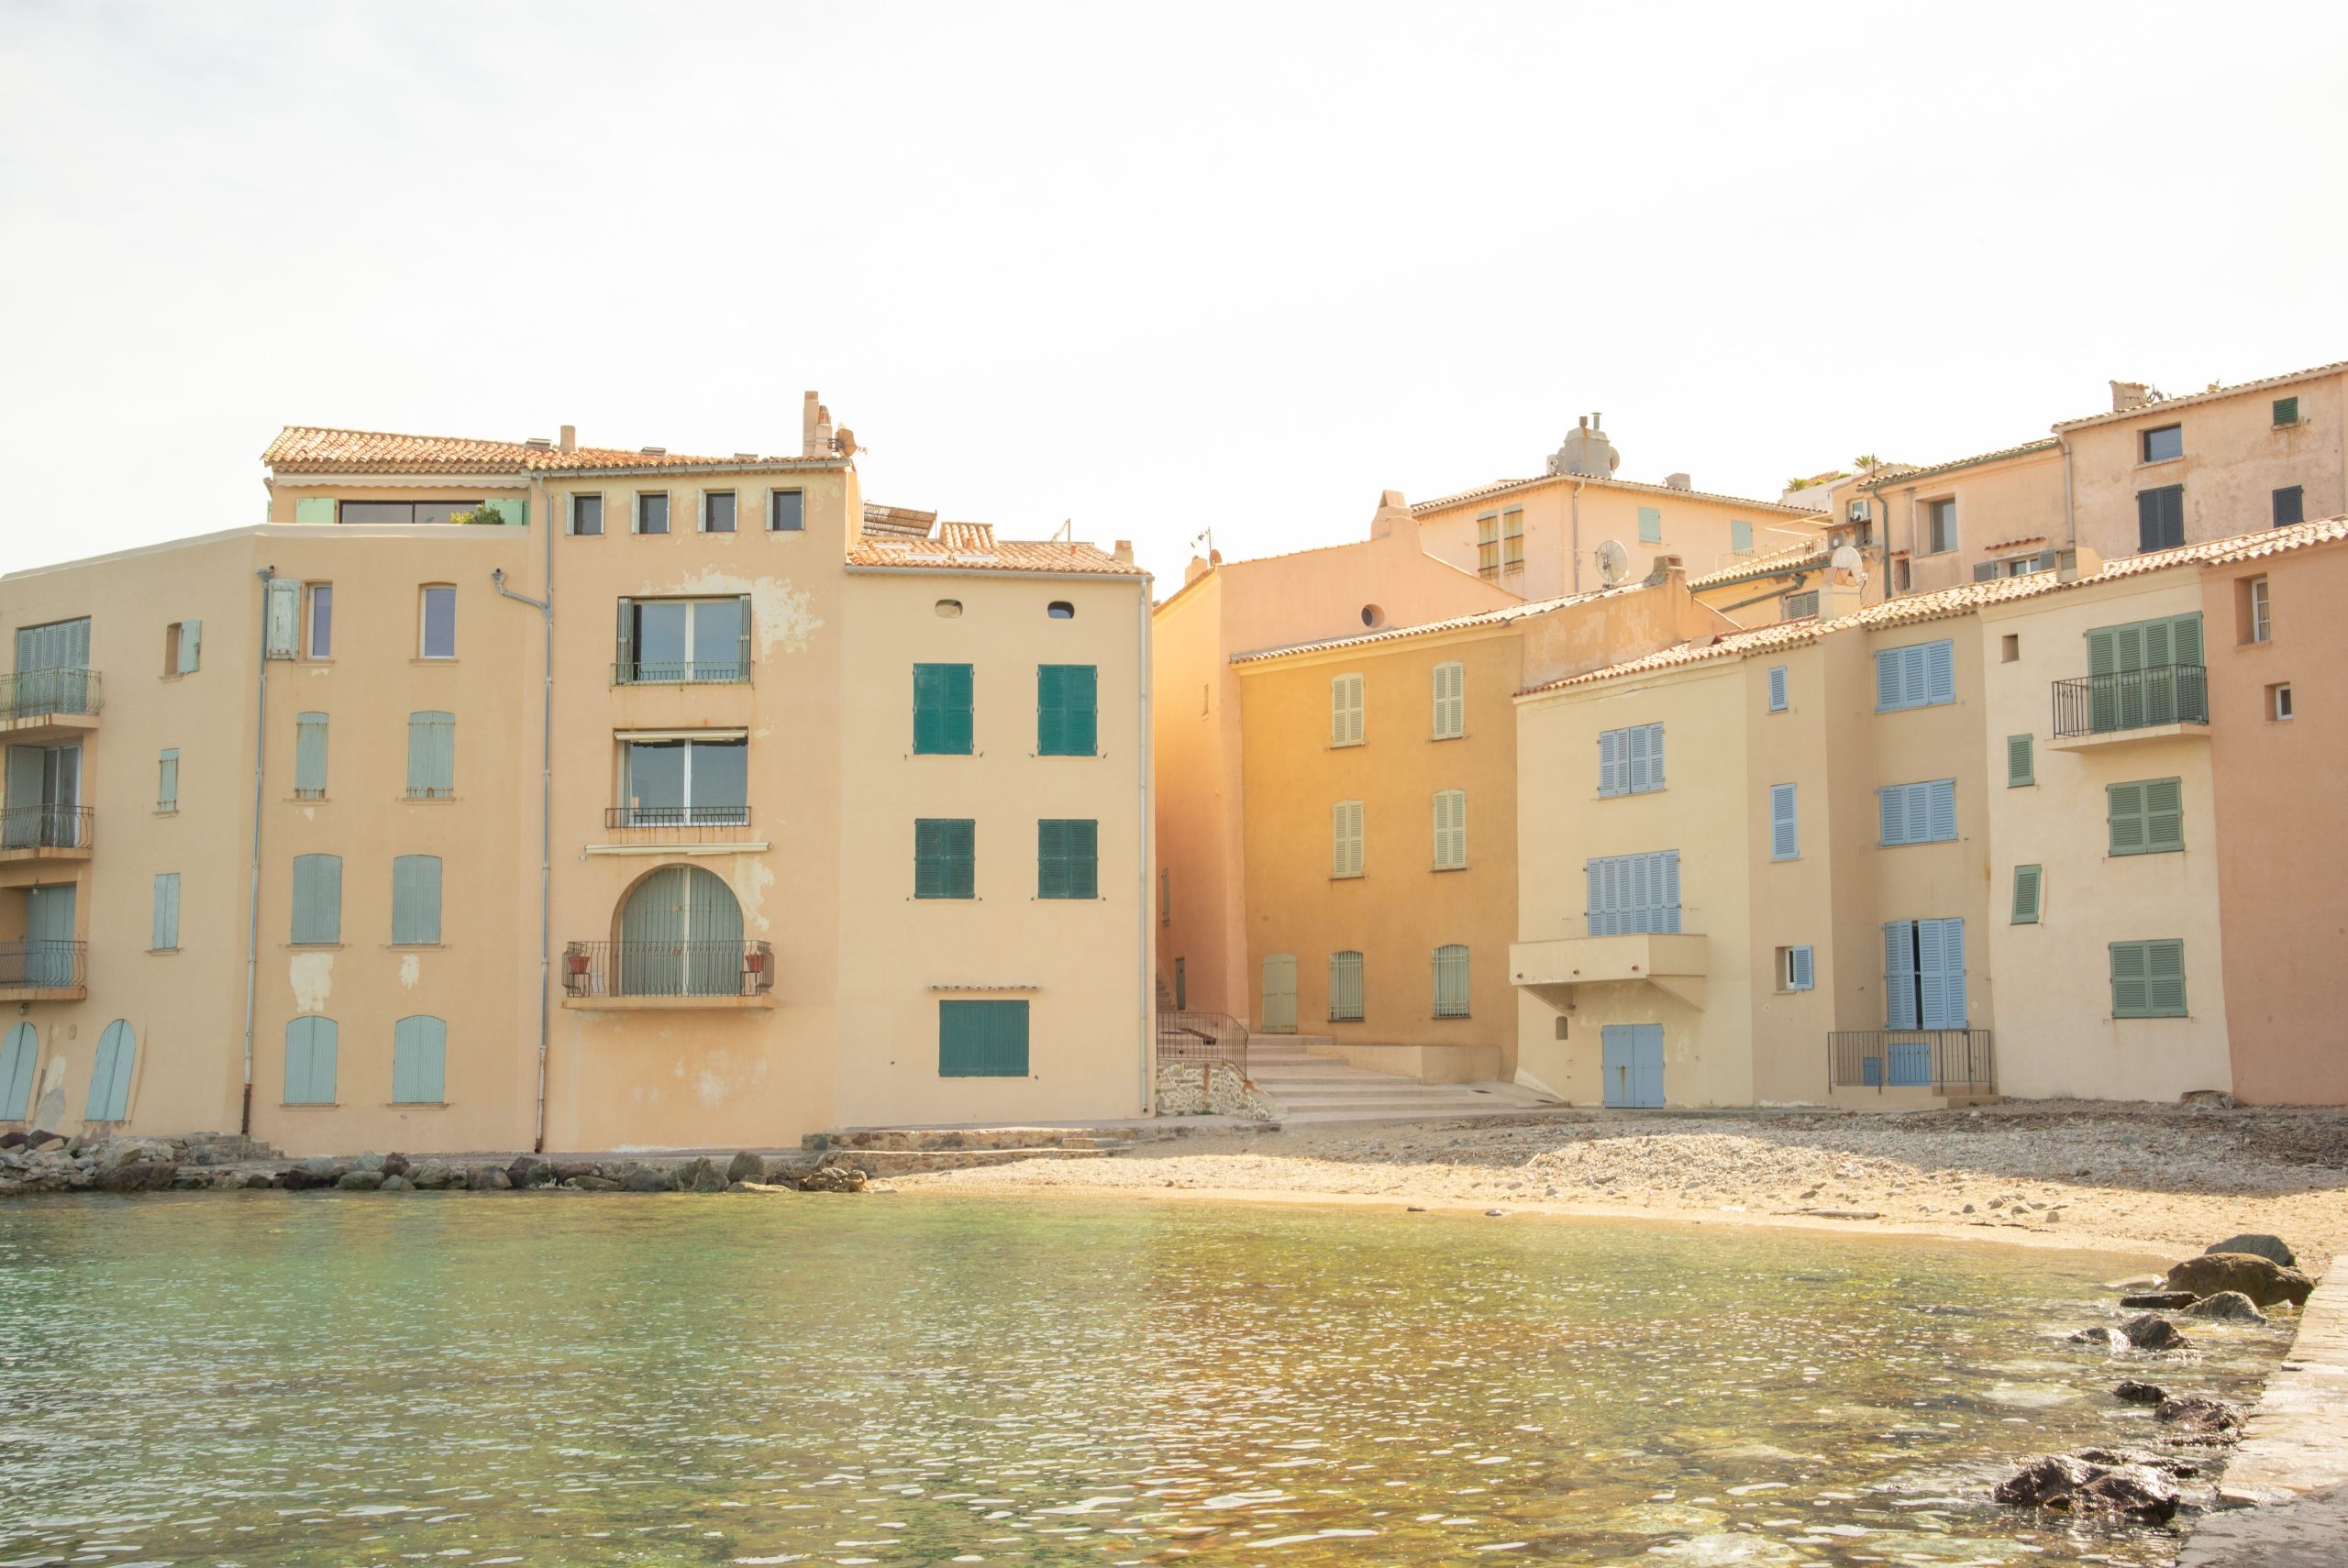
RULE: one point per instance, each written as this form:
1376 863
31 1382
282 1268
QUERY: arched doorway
681 936
17 1072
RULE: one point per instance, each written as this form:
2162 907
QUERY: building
792 814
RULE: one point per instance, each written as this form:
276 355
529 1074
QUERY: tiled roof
2025 449
1500 617
979 537
999 555
2013 544
310 449
2165 405
1969 597
898 522
1502 486
1776 563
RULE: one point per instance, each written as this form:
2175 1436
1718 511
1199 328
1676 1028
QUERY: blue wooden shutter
1655 756
1940 974
1939 798
1785 841
1612 770
167 780
310 1044
110 1074
1899 974
1892 803
1800 969
1940 671
1889 684
983 1039
167 911
190 646
310 757
416 900
1594 911
17 1061
317 900
419 1061
1777 689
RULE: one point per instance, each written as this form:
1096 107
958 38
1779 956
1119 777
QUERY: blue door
1912 1065
1632 1059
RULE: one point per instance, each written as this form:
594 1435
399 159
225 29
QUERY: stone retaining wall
1211 1089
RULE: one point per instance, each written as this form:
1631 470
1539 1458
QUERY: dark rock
12 1139
2264 1280
2151 1331
746 1166
137 1175
833 1178
649 1178
2226 1307
700 1176
302 1178
319 1165
396 1183
2160 1300
432 1176
395 1165
2073 1483
524 1172
2271 1248
2041 1480
2198 1416
2137 1393
361 1181
2102 1337
492 1179
191 1180
37 1141
591 1184
260 1179
571 1170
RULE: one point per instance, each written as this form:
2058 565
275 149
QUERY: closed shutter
2164 978
167 911
1279 993
2290 506
1650 525
1067 858
2020 763
2029 881
1940 798
1652 776
1346 839
1899 974
1066 715
110 1075
1613 773
742 638
945 857
1940 672
317 900
16 1062
1888 687
1800 969
416 900
2145 817
1778 689
167 780
1785 840
1740 536
190 646
2131 987
431 756
983 1039
1633 894
1348 720
1345 1003
1450 700
310 757
1451 981
1450 829
1892 805
310 1046
1940 974
942 707
419 1061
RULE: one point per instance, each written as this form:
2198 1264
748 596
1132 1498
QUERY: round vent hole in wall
1371 616
1060 610
950 608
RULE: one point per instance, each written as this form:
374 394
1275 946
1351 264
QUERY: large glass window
679 782
405 511
683 641
320 619
2165 443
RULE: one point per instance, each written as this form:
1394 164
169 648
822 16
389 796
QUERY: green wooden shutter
190 646
431 756
983 1039
317 900
624 647
419 1061
310 1044
1451 981
1740 536
167 911
2020 762
2164 978
1083 845
314 509
1345 1005
1052 859
1650 525
942 694
310 757
2130 992
2164 815
2029 882
416 900
110 1074
929 858
1066 721
167 779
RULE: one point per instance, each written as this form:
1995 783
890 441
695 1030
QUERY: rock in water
2137 1393
2271 1248
395 1165
432 1176
491 1178
2073 1484
2198 1416
396 1183
2101 1338
746 1166
2151 1331
2160 1300
361 1181
2226 1307
2041 1480
2264 1280
137 1176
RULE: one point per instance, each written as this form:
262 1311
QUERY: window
1798 606
1165 897
1344 987
166 937
111 1074
405 511
1346 839
1940 527
652 513
431 756
2029 884
318 900
1918 813
1923 977
983 1039
2148 979
2146 817
718 511
1068 858
2164 444
1740 536
683 642
2259 624
1450 700
1796 969
786 511
1778 689
2290 505
1067 712
586 514
1346 718
941 709
2009 648
182 647
945 857
2022 767
416 900
948 608
167 779
685 782
309 1061
2144 673
1451 981
1922 675
1512 539
1630 761
419 1061
438 624
2278 701
1650 525
310 757
318 621
1631 894
2287 410
1060 610
1785 827
44 799
2160 518
1488 545
1451 829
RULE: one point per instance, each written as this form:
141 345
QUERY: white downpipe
545 607
267 575
1147 916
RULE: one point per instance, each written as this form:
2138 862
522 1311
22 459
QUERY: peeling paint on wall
312 977
778 611
50 1111
411 971
760 877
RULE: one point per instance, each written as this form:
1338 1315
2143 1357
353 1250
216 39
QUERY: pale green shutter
2030 881
2019 763
431 756
419 1061
2164 978
1650 525
623 646
1344 987
1450 700
314 509
416 900
310 1046
167 779
310 757
1740 536
110 1074
2164 815
1450 830
2128 992
167 911
17 1072
1347 717
190 646
1451 981
1344 839
317 900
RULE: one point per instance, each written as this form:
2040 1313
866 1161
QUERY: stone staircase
1315 1089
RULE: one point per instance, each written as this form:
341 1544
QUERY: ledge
2129 737
1677 961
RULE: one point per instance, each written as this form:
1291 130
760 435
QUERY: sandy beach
2158 1180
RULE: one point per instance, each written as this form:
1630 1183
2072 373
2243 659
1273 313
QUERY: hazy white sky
1152 269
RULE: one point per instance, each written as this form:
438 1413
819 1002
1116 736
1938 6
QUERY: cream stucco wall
1566 521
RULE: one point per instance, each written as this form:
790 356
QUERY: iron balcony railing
681 672
35 693
2132 700
40 964
687 968
1202 1037
1937 1059
678 824
47 827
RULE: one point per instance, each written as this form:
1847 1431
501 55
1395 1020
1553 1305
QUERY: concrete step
918 1139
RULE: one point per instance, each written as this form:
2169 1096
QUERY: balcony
2159 702
46 833
51 702
1904 1068
44 970
1677 961
695 830
619 976
681 672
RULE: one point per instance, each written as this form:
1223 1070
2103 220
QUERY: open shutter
1899 974
190 646
1799 969
2029 880
742 640
2129 989
1785 843
283 634
1777 689
623 648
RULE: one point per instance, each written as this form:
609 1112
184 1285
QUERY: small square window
1796 970
318 623
652 513
1940 527
2010 647
2257 614
787 512
718 511
2164 444
2287 410
2278 701
586 514
2290 505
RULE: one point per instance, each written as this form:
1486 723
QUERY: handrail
47 827
675 818
44 963
1185 1036
681 672
2132 700
1912 1059
684 968
69 690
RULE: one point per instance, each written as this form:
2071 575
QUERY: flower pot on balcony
577 962
756 963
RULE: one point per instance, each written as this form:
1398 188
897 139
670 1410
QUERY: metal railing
691 968
41 965
33 693
47 827
2132 700
676 824
681 672
1202 1037
1935 1059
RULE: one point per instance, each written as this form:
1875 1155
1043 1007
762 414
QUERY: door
20 822
681 934
1630 1060
17 1072
1279 994
48 936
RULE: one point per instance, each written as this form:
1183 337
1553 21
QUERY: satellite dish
1847 560
846 442
1614 562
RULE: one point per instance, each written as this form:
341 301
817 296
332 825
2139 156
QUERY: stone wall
1211 1089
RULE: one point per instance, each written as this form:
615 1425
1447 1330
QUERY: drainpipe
545 607
267 574
1577 538
1145 918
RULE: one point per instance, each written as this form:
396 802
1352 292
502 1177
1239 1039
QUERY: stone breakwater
41 1162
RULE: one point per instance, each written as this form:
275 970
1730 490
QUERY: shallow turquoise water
271 1379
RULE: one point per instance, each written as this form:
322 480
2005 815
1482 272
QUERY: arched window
1060 610
419 1061
110 1075
309 1061
17 1072
681 936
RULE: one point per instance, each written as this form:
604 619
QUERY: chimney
1679 481
814 427
570 438
1124 551
1195 570
2127 395
1587 451
1392 509
1665 567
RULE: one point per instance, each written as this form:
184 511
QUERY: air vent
654 451
540 444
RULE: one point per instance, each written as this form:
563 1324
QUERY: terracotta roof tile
999 555
1793 557
1500 617
1904 476
2187 399
968 536
1502 486
311 449
898 522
